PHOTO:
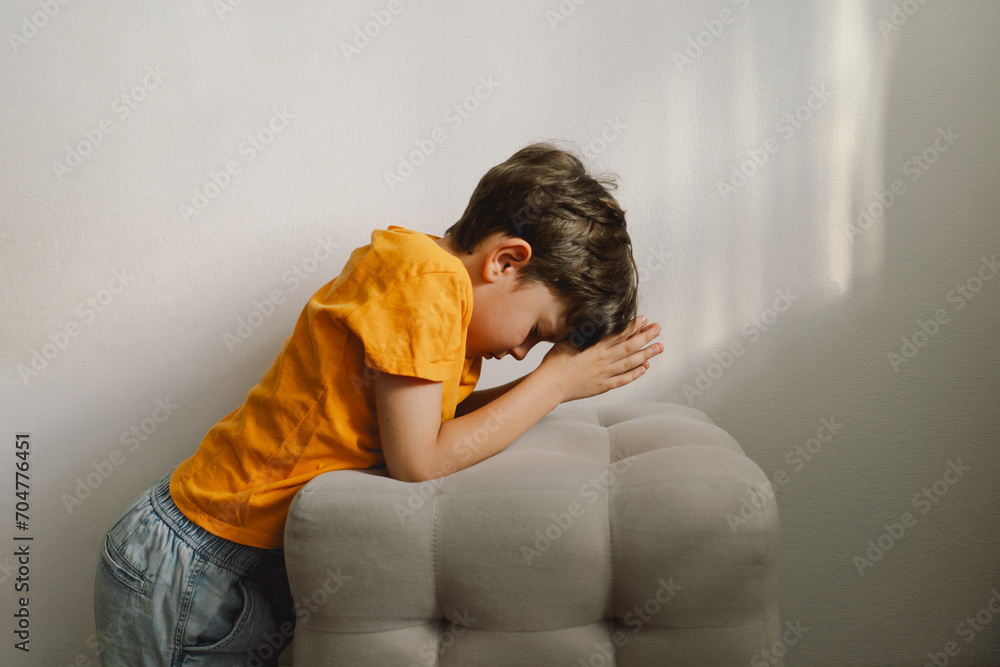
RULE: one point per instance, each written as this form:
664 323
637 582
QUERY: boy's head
579 247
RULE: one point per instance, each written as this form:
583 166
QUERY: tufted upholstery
635 531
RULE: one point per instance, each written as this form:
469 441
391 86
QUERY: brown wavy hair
581 249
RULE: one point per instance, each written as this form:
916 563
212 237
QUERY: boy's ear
506 254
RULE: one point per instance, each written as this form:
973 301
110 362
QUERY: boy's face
508 321
505 319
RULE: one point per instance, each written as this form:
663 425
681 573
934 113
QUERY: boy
379 370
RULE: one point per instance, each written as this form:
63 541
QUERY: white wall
711 260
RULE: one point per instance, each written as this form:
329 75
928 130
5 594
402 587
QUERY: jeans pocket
246 633
121 569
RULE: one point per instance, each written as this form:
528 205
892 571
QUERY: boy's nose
520 352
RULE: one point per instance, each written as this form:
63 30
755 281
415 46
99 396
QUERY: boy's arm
478 399
418 446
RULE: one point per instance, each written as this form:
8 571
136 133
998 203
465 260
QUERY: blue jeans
170 593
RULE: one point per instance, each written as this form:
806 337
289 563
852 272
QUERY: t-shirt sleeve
414 328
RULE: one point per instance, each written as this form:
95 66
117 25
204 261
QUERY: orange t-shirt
402 305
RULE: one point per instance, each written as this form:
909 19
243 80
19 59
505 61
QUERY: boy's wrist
549 379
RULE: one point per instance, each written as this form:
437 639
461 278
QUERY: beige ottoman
636 534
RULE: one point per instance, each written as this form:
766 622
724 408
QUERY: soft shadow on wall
878 216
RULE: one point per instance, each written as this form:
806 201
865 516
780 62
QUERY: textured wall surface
812 189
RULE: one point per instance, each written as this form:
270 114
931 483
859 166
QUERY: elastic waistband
242 559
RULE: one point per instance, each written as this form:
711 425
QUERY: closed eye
532 336
548 338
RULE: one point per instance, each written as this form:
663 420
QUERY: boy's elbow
411 475
412 472
412 479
